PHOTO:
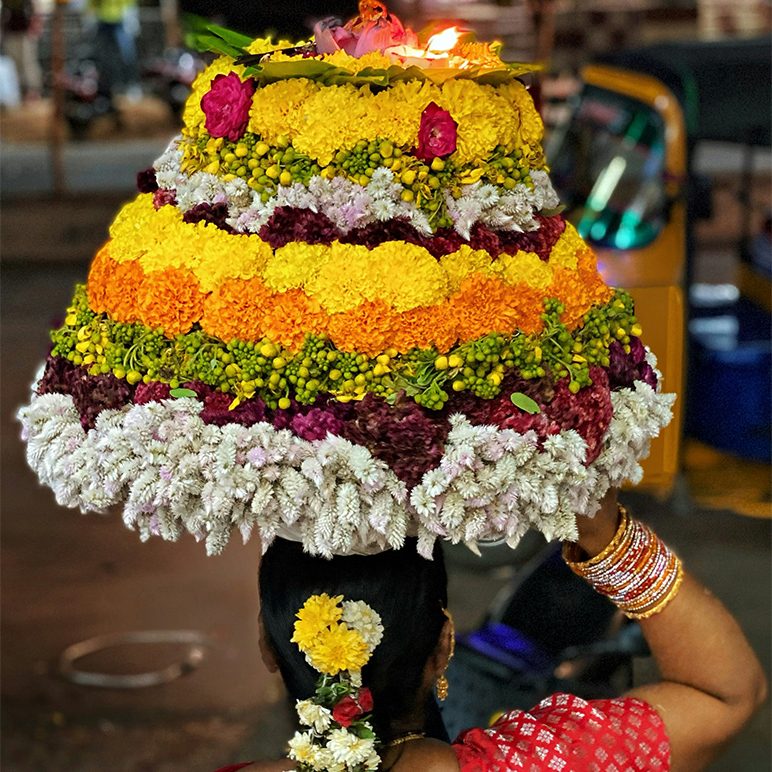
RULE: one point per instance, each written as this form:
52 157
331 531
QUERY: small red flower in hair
436 134
349 709
226 106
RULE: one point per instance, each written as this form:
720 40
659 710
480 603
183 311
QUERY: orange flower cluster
579 290
246 309
113 287
170 300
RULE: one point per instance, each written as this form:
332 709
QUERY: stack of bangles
637 571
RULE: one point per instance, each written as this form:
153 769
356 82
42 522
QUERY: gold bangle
664 601
571 547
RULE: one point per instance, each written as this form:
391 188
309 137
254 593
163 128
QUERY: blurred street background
76 126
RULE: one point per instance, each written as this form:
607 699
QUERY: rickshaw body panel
654 274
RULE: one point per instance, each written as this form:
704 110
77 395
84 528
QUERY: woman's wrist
597 532
636 570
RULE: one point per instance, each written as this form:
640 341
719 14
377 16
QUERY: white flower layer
350 205
174 473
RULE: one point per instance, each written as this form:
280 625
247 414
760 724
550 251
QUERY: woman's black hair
408 591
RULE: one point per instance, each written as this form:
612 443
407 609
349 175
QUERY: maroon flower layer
405 436
288 224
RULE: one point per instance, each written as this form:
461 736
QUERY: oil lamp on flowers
436 53
375 29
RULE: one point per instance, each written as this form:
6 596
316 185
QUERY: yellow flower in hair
317 614
338 648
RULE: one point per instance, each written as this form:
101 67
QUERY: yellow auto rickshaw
622 165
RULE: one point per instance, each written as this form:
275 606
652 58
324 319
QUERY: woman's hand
595 533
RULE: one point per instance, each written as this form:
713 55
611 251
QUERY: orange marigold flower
579 290
290 316
368 328
485 304
99 279
122 292
235 310
170 299
424 328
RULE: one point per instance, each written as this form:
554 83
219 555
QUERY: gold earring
442 688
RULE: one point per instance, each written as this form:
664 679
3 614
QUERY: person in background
21 32
116 50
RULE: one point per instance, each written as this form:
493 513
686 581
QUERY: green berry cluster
246 369
360 162
265 168
506 168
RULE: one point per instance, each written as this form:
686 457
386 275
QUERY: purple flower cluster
146 181
164 197
626 368
216 214
588 412
407 437
288 224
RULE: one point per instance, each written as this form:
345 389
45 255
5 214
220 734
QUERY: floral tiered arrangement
345 307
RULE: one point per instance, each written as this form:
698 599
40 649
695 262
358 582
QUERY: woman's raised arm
712 681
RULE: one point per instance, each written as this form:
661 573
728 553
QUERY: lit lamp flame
443 41
437 53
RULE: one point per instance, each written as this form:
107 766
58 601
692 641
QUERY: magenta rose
226 106
436 134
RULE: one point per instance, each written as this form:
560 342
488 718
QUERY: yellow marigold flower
396 111
317 613
458 265
222 255
294 265
330 120
375 59
531 128
406 276
278 108
131 222
402 275
566 248
475 112
524 268
338 648
266 45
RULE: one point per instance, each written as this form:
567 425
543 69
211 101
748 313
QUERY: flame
443 41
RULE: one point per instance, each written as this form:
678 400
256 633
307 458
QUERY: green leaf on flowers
302 68
524 402
206 42
230 36
179 393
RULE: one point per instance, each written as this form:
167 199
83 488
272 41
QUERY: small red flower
436 134
349 709
226 106
365 699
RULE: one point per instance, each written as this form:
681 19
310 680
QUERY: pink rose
436 134
226 106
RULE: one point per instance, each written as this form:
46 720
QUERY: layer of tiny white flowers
174 473
350 205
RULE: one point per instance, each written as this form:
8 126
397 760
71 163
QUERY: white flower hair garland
338 638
